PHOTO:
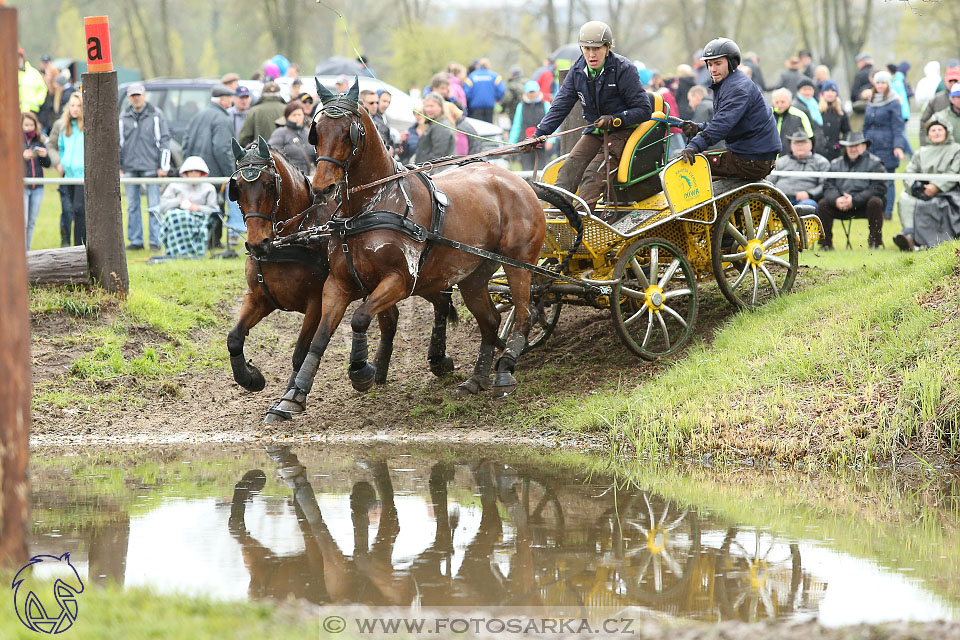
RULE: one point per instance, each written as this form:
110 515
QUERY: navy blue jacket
742 118
883 125
618 89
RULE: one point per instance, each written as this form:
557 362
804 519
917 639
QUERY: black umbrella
338 65
567 52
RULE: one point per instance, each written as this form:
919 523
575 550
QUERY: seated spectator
937 199
437 141
851 197
939 102
836 122
801 189
951 113
186 209
291 139
789 119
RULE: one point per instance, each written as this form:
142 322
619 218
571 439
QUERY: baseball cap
530 85
136 89
242 92
45 58
828 85
953 73
863 56
270 88
955 91
219 90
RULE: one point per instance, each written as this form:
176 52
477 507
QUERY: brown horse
489 208
276 199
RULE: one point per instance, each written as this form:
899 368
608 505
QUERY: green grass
839 373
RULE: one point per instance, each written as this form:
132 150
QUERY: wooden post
14 314
101 162
573 119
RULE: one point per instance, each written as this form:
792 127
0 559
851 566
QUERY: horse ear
312 134
237 149
323 93
262 147
354 93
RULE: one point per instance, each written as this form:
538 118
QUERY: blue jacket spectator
742 118
483 88
883 125
618 86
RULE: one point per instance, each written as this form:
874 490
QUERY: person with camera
941 155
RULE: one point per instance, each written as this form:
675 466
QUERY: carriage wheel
547 314
754 251
654 304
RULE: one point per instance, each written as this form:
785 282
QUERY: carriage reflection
489 534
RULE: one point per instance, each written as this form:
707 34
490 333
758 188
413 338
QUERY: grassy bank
849 371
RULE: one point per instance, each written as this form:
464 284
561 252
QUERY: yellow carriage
667 226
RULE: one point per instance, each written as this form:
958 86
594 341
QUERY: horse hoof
467 388
441 366
293 401
504 383
275 414
256 383
362 379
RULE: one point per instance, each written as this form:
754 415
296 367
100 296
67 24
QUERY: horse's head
256 187
339 133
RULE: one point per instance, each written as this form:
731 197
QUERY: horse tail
453 318
566 208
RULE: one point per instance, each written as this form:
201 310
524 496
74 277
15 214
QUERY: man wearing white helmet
609 90
741 118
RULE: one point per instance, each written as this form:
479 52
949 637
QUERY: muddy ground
582 356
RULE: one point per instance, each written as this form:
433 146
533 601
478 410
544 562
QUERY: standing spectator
262 118
527 116
438 140
411 137
291 138
48 110
939 102
296 87
144 153
884 126
70 143
65 89
700 69
456 74
861 81
370 101
231 81
384 98
293 71
209 133
836 123
927 87
241 106
685 81
33 88
804 101
546 77
942 155
515 92
801 189
899 85
467 140
677 140
484 89
790 78
35 157
806 63
851 197
820 75
341 84
789 119
752 62
66 213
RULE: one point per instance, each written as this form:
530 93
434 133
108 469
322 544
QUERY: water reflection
376 528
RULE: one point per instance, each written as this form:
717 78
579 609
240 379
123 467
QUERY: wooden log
573 119
67 265
14 314
101 184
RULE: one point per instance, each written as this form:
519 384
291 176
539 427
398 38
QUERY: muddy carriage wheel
546 315
754 251
654 303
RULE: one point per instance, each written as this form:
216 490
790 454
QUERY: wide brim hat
854 138
799 136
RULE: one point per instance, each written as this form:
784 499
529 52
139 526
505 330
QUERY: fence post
14 315
101 162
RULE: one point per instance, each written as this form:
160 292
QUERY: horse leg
388 329
390 290
477 298
335 301
443 309
504 382
253 309
311 318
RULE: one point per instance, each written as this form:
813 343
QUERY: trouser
134 216
727 164
66 215
907 208
481 113
891 193
74 195
584 167
872 211
32 198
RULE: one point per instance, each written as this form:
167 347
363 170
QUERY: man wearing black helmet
613 99
742 118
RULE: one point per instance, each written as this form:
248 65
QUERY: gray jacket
144 140
202 194
437 142
208 135
53 141
293 144
790 185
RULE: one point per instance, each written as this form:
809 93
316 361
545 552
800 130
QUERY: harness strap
265 288
316 259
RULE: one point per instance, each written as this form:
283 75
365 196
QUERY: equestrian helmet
722 48
596 34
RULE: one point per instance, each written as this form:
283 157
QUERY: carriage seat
645 154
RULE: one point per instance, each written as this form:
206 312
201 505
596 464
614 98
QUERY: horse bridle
250 171
340 108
